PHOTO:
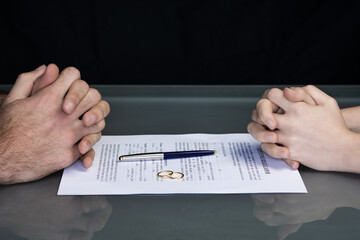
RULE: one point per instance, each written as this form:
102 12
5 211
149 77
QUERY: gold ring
176 175
164 174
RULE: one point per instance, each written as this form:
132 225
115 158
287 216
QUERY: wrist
351 150
352 118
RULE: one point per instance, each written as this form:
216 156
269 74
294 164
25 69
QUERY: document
239 166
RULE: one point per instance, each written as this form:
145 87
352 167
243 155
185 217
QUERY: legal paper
239 166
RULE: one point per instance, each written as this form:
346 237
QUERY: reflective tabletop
330 209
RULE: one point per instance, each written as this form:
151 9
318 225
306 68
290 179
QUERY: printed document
239 166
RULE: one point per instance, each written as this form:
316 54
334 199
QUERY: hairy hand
77 91
37 136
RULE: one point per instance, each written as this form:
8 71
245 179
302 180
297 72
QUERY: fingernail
92 119
290 90
70 106
40 68
284 155
88 147
294 165
270 138
270 125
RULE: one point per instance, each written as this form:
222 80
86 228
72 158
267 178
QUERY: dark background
186 42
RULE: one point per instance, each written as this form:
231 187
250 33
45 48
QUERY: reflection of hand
38 136
33 211
326 192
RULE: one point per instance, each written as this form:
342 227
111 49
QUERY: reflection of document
239 166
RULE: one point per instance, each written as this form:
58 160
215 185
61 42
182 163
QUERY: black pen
165 155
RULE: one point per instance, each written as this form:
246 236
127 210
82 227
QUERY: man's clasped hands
50 119
47 121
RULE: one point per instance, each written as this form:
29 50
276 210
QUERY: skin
2 97
76 92
304 125
48 120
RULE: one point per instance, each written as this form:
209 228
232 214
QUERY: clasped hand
305 125
47 121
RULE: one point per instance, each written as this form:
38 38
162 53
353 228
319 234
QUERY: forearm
4 174
352 118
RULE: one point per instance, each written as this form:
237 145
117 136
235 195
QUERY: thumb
287 229
24 84
298 94
50 75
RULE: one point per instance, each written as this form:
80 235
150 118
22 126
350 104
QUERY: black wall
186 42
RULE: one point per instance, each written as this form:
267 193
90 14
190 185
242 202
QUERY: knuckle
274 93
271 149
264 147
74 95
101 124
107 105
332 101
21 77
261 103
82 85
298 90
72 71
48 98
250 128
98 113
309 87
96 137
95 94
264 95
83 82
81 88
90 154
255 131
254 115
298 108
87 141
279 152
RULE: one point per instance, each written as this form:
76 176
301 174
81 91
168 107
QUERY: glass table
330 210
